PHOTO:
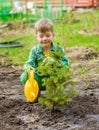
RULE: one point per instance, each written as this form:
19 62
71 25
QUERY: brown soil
82 113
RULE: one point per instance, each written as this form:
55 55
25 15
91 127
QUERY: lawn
81 29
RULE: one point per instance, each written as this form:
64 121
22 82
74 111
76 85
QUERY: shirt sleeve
64 60
32 59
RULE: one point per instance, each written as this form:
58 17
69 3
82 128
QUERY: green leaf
75 92
41 100
55 99
48 104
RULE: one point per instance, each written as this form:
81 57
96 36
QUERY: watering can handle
31 75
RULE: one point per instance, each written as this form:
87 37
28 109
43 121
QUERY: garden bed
82 113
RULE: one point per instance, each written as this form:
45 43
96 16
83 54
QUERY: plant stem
53 104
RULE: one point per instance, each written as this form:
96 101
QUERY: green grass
68 36
72 37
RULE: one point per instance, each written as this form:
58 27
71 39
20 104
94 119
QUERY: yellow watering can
31 88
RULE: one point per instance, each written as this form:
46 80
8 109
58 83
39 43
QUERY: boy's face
45 38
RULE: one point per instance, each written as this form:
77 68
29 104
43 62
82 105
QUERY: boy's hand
48 61
27 69
24 76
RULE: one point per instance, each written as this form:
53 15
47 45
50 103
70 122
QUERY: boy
45 34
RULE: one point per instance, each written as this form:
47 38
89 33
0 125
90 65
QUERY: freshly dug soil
82 113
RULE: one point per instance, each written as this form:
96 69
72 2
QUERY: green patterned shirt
37 56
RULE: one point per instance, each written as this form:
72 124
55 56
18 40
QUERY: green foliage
68 33
55 74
